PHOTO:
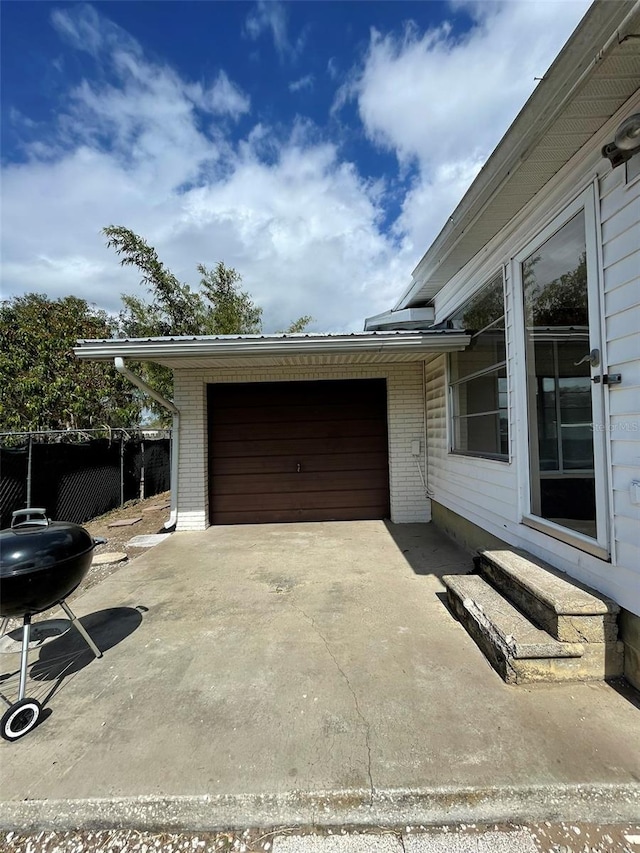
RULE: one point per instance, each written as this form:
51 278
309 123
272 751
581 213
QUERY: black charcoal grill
41 563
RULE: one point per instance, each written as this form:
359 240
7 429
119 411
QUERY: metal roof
275 350
593 76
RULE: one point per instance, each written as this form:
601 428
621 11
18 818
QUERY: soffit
609 85
317 360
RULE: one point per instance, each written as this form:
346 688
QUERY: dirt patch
153 513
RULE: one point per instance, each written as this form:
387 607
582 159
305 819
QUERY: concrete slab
303 674
148 540
125 522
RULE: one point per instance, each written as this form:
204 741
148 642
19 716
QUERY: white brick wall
405 420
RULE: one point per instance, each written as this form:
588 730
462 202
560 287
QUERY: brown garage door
298 451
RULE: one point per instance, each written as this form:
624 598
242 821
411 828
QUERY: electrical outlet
415 447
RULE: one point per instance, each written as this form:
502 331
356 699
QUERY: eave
592 78
276 350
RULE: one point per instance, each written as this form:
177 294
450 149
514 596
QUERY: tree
231 311
43 385
217 307
561 302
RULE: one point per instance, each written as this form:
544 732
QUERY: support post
121 470
29 457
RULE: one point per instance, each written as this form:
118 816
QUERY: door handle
592 357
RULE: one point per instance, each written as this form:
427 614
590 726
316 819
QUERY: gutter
143 349
175 432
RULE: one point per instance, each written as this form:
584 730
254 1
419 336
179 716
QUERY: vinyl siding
620 222
490 493
482 488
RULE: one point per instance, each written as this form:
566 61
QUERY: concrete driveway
303 673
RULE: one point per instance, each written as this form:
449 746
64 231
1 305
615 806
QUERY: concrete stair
533 623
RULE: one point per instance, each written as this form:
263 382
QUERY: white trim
584 202
457 224
451 450
604 368
585 167
630 182
566 535
198 347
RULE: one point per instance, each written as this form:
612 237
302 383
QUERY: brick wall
405 420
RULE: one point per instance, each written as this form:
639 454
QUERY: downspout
427 490
175 432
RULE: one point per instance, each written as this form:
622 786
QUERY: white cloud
441 102
222 97
305 82
436 95
270 16
154 152
300 225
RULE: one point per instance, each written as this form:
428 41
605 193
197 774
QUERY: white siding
620 218
480 489
491 494
405 420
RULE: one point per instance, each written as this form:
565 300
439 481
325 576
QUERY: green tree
231 311
561 302
43 385
218 307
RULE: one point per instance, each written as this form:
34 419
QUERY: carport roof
274 350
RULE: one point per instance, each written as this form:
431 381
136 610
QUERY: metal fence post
121 469
142 470
29 470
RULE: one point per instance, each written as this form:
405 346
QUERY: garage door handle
298 468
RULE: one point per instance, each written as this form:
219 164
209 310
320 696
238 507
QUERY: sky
316 146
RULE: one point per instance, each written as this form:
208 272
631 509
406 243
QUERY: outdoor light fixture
625 143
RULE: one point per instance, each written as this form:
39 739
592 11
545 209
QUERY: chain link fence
77 476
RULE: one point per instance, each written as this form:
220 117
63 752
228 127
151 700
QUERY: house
500 397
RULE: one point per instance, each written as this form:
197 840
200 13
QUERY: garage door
298 451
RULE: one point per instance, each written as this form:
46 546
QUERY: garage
298 451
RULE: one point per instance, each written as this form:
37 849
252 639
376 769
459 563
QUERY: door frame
526 432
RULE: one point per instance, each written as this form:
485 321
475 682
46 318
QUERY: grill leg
80 629
26 633
4 625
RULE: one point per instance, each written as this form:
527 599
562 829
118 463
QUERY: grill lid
38 543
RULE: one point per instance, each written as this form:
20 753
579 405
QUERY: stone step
569 611
516 648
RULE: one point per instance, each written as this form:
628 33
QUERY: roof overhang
409 318
592 78
276 350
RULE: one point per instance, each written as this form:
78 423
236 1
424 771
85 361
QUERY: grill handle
40 519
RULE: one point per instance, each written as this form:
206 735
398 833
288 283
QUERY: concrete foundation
629 625
468 535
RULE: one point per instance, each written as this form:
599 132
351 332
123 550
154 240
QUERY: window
478 377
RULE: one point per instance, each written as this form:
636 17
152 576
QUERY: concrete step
569 611
516 648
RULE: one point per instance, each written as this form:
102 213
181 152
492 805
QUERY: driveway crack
365 722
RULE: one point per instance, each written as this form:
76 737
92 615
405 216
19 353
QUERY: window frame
497 367
599 546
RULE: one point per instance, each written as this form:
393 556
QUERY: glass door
564 390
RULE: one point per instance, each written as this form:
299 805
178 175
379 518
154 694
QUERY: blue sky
318 147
